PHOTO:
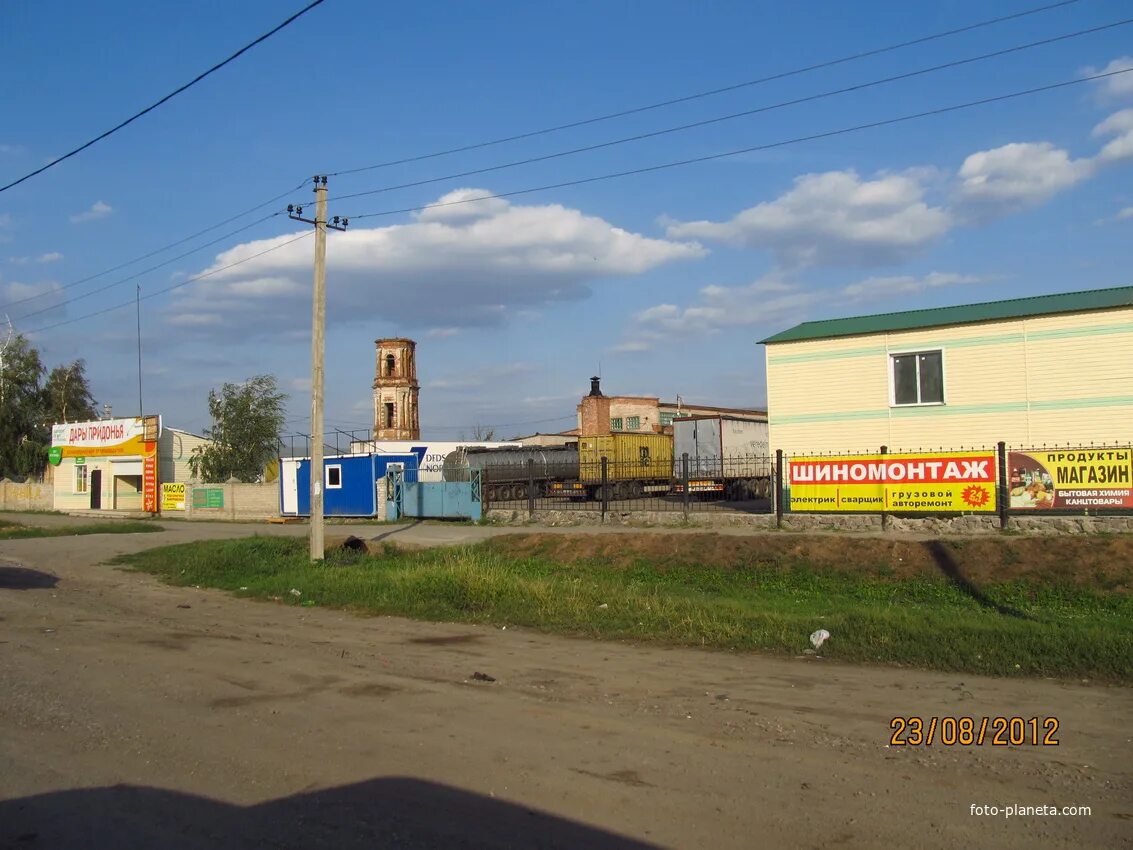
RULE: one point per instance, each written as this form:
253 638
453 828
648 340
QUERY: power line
745 113
829 63
768 146
160 250
166 289
169 96
138 274
722 90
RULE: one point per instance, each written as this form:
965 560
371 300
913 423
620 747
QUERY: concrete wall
1063 379
28 496
231 501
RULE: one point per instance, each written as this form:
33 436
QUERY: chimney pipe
594 390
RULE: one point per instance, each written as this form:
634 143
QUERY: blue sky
666 279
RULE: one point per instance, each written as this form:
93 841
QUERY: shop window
616 423
334 477
918 378
633 423
80 478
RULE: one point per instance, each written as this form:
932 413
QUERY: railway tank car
504 473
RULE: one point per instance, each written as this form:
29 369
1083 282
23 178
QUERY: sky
662 281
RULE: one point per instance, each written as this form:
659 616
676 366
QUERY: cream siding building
1054 369
101 478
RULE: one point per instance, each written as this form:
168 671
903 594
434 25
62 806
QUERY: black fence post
778 488
684 479
1004 490
605 489
884 516
530 487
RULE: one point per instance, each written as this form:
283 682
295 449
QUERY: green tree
67 396
247 420
24 431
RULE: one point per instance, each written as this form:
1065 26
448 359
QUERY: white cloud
1016 176
10 150
1119 86
48 295
883 287
769 304
1120 126
765 303
50 257
834 218
99 209
441 333
463 205
487 376
444 270
195 320
1125 213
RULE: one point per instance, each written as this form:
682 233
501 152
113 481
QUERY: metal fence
997 481
689 485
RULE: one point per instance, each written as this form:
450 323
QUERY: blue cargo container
350 483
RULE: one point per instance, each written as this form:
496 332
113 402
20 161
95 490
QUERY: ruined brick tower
396 390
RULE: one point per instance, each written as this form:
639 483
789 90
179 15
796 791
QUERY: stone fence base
860 523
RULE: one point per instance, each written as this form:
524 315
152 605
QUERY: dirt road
141 715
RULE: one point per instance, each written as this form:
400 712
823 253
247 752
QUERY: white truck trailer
728 456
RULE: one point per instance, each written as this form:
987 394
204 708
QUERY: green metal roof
989 311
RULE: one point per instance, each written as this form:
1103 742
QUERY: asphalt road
140 715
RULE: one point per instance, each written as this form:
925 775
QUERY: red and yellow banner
902 483
1074 479
149 480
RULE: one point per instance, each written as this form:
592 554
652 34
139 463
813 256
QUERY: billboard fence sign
951 482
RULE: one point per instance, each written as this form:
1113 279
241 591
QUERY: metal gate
434 499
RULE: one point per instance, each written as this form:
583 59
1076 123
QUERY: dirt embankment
1102 562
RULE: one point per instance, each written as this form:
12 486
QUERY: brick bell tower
396 390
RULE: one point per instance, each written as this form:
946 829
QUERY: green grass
18 531
1055 630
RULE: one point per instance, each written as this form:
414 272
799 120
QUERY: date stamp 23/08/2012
950 731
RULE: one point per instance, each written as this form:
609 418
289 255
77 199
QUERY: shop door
96 490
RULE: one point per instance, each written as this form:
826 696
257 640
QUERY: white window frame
904 352
326 476
75 489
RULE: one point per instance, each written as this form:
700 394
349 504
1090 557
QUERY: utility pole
138 304
318 351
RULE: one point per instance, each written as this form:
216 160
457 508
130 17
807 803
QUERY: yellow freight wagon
630 457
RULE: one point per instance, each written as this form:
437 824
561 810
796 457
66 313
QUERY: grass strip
1052 629
18 531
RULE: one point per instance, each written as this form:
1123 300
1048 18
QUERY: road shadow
21 578
398 530
951 569
390 812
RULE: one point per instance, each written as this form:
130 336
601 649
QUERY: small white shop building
119 464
